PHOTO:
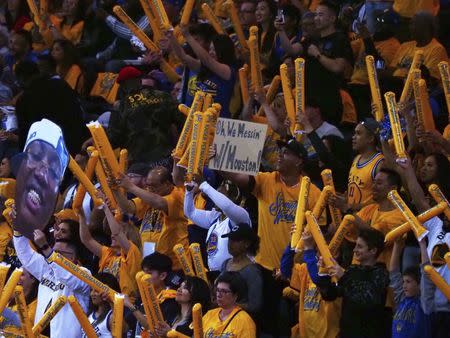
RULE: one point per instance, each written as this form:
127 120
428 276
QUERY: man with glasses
41 170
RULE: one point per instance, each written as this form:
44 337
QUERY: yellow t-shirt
123 267
106 87
386 49
31 309
383 221
165 230
408 8
360 179
277 204
238 324
319 318
433 53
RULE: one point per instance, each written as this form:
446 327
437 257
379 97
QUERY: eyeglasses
35 160
223 291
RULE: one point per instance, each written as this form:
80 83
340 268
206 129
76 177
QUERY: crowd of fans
78 62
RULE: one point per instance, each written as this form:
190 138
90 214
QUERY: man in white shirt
54 282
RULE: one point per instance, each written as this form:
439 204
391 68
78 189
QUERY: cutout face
39 176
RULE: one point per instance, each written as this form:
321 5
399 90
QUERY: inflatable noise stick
165 66
118 315
185 136
81 274
161 14
419 231
395 126
212 18
152 19
197 260
123 160
423 217
288 98
423 107
9 288
197 320
179 251
145 300
447 259
301 209
316 233
43 6
243 81
183 109
374 87
193 163
101 176
407 89
106 154
439 197
36 15
81 190
255 64
188 7
202 146
152 297
322 201
234 16
81 316
49 315
339 235
254 31
23 311
299 93
4 268
207 102
437 279
327 179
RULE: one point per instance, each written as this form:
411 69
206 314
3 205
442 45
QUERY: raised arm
416 192
291 49
221 69
234 212
202 218
396 281
153 200
30 259
86 237
189 61
116 231
272 119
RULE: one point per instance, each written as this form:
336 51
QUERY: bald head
159 181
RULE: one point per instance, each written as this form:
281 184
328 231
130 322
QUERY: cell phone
280 16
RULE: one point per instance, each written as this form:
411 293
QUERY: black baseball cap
242 231
293 145
371 125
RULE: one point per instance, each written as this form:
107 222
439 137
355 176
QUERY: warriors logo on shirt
283 211
152 221
211 245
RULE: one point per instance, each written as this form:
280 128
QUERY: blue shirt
410 321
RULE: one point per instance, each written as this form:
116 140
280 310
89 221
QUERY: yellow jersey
124 267
237 325
317 318
164 231
360 179
277 205
433 53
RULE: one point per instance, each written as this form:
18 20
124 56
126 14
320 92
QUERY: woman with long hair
435 170
66 58
192 291
101 311
216 68
266 12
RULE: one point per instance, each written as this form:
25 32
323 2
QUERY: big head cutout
40 173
